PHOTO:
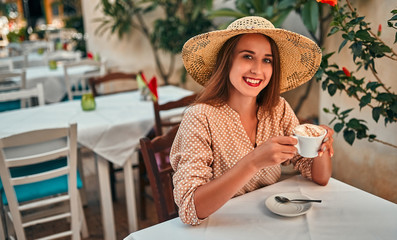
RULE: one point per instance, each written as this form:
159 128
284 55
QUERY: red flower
90 56
330 2
347 73
379 29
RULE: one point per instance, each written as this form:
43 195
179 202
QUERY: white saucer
288 209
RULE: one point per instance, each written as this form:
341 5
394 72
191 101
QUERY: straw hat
300 57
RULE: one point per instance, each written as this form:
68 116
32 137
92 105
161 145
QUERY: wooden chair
160 177
40 181
160 125
103 85
76 86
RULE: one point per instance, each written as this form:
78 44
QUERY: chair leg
3 226
142 183
80 168
83 223
112 176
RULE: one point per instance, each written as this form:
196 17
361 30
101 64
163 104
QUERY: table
52 79
112 131
345 213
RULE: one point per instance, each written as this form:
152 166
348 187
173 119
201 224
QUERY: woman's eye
247 56
267 60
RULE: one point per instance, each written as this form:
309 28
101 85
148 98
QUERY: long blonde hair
216 91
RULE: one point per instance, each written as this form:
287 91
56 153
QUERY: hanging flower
347 73
330 2
379 29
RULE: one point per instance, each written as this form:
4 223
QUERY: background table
345 213
112 131
53 80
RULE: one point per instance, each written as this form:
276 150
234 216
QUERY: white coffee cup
308 146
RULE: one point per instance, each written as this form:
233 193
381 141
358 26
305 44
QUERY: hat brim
300 57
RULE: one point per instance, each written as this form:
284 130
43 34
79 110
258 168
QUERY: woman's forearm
210 197
322 169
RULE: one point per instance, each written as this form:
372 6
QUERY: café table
53 80
345 212
112 131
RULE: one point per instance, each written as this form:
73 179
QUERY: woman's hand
326 146
322 165
274 151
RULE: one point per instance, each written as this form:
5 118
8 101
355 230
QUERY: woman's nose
256 68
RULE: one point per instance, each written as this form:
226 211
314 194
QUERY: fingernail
324 148
320 154
325 139
332 154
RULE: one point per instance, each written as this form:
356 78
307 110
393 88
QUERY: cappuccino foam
309 130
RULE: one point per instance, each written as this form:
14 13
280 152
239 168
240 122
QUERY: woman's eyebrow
252 52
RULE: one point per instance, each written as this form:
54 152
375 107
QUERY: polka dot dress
211 140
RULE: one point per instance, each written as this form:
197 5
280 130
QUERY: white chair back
77 85
30 152
12 80
24 95
6 65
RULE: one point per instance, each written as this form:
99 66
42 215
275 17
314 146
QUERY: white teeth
253 81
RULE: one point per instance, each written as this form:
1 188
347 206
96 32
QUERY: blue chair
39 175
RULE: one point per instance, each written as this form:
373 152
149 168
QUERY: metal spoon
281 199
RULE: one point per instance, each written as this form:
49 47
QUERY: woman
236 135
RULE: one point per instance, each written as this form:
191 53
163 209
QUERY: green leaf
332 89
349 136
333 31
342 45
393 107
373 85
365 100
326 110
338 127
226 12
286 4
346 111
356 49
364 35
384 97
310 15
371 137
376 111
354 123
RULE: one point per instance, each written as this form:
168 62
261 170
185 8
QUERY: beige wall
369 166
132 53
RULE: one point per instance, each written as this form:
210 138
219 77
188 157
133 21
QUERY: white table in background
112 131
53 80
345 213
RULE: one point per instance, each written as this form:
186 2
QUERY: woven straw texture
300 57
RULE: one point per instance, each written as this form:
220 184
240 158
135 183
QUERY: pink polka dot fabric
211 140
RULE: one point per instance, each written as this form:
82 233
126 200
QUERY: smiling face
252 66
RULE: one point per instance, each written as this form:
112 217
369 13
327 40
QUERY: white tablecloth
52 79
345 213
112 130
